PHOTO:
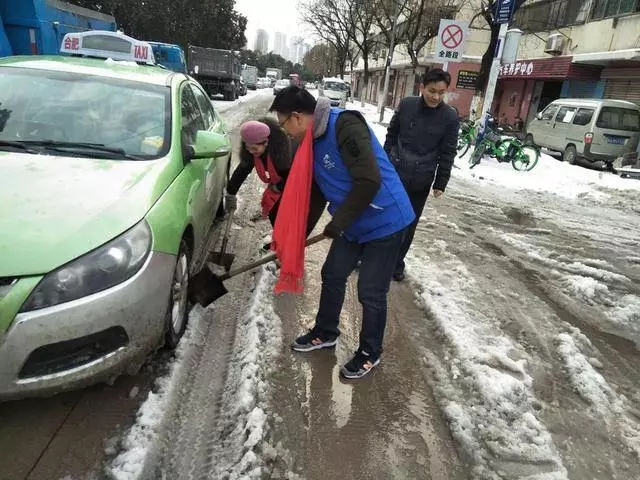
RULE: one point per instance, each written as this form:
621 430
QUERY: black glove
331 231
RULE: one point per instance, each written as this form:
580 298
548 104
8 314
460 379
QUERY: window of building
545 15
613 8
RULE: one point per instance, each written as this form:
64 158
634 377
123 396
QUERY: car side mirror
539 116
210 145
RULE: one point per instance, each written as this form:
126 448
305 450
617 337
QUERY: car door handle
222 152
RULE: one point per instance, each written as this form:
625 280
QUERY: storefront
622 82
528 86
405 80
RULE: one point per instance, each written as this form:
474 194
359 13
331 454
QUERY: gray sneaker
311 341
361 364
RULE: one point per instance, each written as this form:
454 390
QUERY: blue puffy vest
389 212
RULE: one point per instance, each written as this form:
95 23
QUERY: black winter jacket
421 142
279 148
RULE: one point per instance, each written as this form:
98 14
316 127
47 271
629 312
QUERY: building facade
571 48
280 45
405 78
262 41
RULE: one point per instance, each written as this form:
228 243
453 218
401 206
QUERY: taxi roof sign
106 44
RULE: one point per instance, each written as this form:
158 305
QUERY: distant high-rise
296 49
262 41
280 44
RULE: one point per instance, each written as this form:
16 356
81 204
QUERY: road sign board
451 39
503 11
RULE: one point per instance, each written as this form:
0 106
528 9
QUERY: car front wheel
570 154
178 312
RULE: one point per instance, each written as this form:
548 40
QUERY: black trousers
418 200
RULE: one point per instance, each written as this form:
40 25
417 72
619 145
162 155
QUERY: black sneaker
312 341
398 276
361 364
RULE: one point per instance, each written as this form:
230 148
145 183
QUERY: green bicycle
466 137
522 157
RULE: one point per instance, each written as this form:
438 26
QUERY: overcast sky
271 15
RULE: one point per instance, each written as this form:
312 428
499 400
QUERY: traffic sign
503 11
451 39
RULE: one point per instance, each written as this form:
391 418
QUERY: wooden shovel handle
267 259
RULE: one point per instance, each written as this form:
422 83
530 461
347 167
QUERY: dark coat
279 148
422 143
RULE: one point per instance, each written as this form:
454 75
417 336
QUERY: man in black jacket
421 143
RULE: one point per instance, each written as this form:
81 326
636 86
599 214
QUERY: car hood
54 209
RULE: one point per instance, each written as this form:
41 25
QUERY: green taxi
112 172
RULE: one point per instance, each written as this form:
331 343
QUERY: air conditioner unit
555 44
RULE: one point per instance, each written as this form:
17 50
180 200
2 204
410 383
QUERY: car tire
570 155
178 312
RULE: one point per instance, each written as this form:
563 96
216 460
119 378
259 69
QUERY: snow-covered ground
525 322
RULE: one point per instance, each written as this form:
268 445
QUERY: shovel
223 258
206 287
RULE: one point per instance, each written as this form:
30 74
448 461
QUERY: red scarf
290 230
268 176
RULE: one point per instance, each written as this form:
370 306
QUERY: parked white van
596 130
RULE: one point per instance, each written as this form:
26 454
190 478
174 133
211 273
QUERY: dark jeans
418 200
378 260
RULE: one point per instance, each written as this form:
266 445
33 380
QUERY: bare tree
329 20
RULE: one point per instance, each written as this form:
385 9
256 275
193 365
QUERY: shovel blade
205 287
223 259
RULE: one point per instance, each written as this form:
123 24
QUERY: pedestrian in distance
266 148
370 214
421 142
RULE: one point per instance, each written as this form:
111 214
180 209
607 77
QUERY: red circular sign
452 36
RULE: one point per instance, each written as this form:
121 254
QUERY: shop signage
520 69
467 79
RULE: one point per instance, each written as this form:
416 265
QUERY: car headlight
108 265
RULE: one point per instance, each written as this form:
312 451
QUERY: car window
617 118
58 106
205 106
583 116
549 112
191 116
334 86
566 114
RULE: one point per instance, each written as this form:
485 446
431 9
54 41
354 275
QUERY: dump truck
250 76
273 74
37 27
218 71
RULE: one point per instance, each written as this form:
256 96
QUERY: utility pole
387 73
495 69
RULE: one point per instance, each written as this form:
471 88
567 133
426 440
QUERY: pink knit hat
253 132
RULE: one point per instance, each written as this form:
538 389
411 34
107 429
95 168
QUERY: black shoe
398 276
361 364
312 341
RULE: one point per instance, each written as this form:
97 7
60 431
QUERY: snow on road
527 327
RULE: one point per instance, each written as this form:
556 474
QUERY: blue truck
37 27
169 56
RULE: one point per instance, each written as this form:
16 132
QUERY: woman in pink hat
267 148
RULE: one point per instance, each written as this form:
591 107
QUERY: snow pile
245 451
136 445
482 382
594 389
224 105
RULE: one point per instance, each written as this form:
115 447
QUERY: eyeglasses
284 122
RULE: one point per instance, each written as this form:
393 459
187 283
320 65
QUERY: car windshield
335 86
53 109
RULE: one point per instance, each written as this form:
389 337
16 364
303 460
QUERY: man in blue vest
371 212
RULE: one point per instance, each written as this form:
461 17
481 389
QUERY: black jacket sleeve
447 152
393 130
241 172
354 144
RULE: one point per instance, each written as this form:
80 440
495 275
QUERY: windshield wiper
60 146
14 144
